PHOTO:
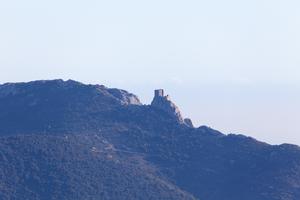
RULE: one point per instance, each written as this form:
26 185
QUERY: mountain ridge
122 134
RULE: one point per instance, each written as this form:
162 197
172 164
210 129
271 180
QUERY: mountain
67 140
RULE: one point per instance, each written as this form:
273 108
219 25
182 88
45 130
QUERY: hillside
67 140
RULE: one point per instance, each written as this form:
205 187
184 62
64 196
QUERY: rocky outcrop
188 122
125 97
164 103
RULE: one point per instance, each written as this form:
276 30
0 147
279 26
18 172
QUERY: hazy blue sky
233 65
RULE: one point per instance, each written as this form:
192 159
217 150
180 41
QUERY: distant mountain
67 140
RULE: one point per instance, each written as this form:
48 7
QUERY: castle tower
164 103
159 93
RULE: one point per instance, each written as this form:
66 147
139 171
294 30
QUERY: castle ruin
159 93
165 104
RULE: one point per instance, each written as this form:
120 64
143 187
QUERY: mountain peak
53 87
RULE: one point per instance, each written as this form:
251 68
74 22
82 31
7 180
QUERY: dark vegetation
67 140
76 167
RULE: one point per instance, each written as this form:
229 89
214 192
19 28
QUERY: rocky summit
72 141
164 103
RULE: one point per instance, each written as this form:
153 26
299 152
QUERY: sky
232 65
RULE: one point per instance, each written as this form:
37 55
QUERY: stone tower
159 93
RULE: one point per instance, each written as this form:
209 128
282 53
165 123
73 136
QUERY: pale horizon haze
231 65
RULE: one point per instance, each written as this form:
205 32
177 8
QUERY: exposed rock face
124 97
164 103
188 122
7 89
